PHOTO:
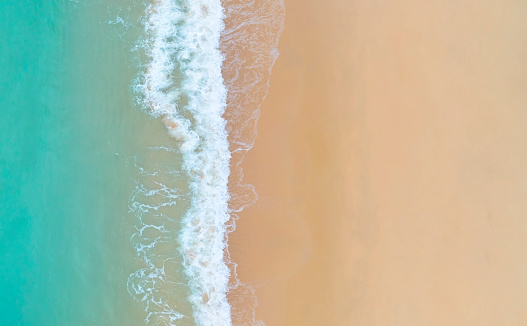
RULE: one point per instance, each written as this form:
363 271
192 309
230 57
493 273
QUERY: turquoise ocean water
66 125
114 157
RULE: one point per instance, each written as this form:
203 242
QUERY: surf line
183 84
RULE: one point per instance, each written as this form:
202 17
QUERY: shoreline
284 249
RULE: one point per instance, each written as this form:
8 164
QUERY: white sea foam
183 84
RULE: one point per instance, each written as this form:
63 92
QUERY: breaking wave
205 72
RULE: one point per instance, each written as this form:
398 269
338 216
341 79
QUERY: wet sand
391 167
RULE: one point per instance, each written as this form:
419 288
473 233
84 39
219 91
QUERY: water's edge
205 72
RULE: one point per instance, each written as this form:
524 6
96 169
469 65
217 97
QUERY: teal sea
67 124
117 123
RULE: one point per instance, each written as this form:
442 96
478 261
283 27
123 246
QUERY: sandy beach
391 167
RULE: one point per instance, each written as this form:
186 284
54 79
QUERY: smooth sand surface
391 165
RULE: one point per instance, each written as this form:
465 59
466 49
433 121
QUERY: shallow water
113 208
67 128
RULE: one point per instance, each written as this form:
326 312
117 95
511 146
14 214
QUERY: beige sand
391 164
